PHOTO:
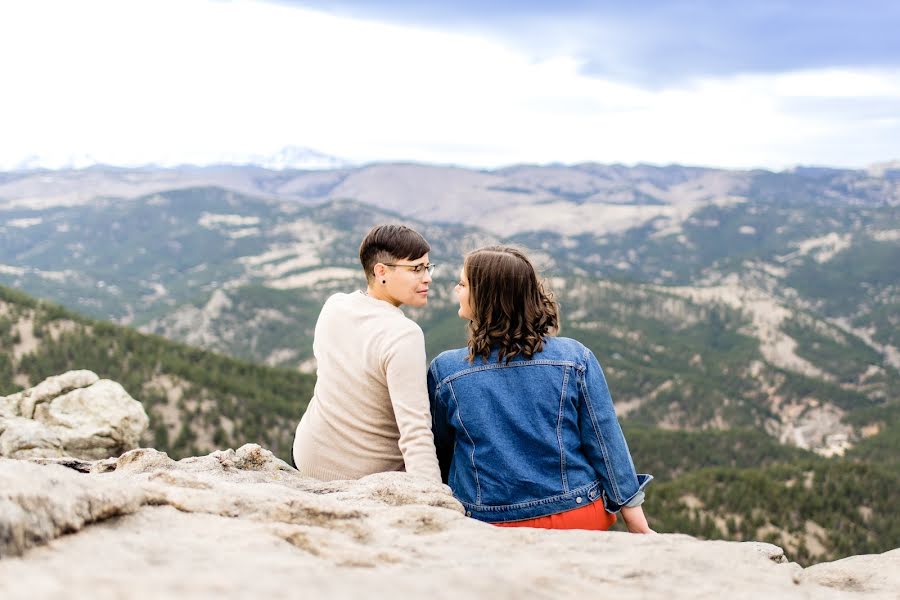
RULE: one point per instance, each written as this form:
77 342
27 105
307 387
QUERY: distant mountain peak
288 157
52 162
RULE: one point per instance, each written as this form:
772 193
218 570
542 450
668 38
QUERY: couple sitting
519 423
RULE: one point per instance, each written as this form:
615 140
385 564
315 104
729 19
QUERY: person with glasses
524 426
369 411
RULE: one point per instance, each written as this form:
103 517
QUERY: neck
379 294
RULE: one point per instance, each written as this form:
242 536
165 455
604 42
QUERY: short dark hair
389 243
511 309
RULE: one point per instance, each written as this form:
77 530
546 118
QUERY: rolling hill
197 401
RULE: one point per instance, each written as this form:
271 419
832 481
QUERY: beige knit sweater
369 412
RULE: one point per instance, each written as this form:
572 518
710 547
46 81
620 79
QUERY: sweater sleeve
405 370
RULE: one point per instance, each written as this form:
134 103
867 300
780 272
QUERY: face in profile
403 285
462 294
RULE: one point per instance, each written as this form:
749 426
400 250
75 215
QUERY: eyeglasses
417 269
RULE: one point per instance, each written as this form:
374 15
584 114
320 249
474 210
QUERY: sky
761 84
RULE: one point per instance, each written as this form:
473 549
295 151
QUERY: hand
635 520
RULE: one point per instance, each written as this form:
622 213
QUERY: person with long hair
524 425
369 410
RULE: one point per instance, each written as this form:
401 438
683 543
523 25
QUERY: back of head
511 309
389 243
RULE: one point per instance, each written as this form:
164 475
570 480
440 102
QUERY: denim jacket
530 438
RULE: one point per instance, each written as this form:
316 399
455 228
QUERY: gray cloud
655 42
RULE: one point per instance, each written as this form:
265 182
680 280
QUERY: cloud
188 80
663 42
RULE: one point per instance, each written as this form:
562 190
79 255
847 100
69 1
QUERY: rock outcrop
243 524
75 414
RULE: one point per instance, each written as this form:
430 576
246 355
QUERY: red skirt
593 517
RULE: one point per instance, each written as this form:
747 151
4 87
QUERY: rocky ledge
74 414
243 524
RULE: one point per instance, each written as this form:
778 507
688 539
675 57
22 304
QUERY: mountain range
715 299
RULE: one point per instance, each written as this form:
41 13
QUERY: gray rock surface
75 414
858 573
243 524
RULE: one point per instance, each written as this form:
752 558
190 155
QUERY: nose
426 277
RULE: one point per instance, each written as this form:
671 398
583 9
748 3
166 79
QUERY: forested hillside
197 401
741 485
816 511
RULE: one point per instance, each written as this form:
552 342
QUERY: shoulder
400 337
449 357
336 301
566 348
403 327
450 361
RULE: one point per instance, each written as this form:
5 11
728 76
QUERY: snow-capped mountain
288 157
34 162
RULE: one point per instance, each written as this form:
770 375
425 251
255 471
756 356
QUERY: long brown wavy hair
511 309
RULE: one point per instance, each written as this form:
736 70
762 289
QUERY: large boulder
75 414
243 524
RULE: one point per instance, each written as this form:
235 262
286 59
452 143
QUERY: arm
635 520
604 444
405 373
443 436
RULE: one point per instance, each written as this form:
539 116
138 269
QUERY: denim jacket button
468 513
578 500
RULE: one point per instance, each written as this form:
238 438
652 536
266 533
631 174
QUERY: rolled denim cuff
637 500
